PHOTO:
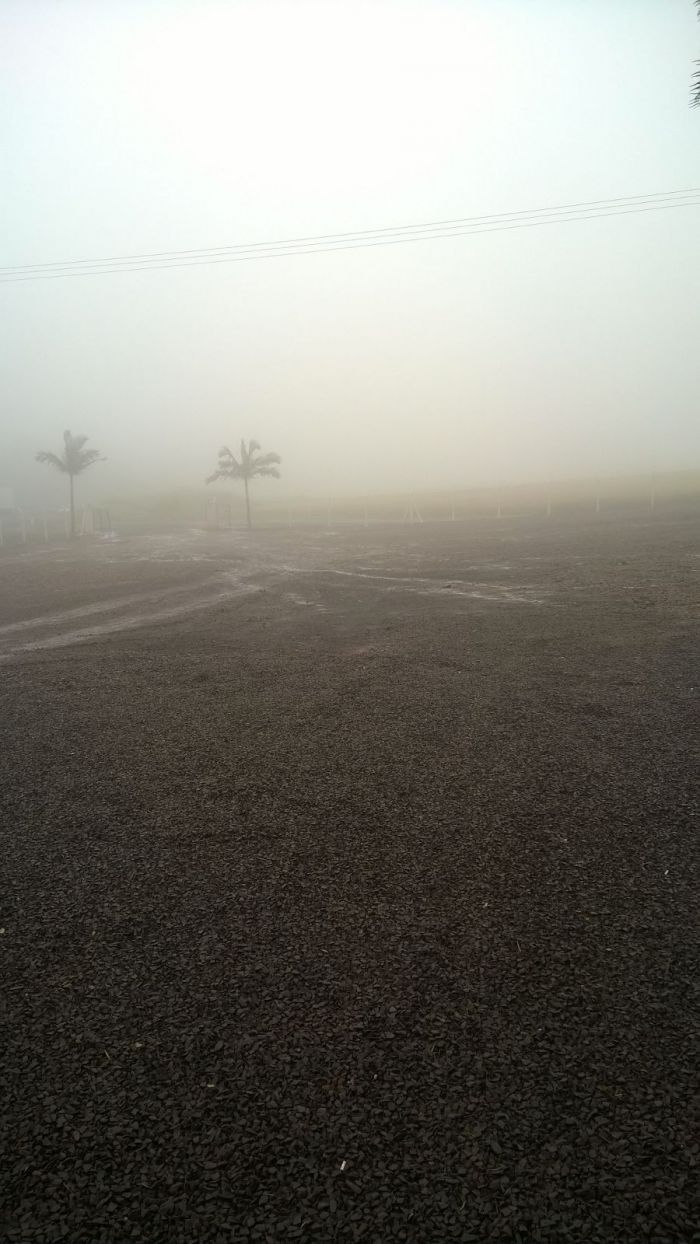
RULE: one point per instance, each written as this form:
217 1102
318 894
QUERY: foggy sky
558 351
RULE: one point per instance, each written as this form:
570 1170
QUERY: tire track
113 626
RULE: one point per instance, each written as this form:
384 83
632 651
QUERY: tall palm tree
695 86
251 463
73 461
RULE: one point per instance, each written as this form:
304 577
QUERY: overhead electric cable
591 204
360 239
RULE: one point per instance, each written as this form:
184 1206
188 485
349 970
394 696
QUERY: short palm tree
251 463
73 461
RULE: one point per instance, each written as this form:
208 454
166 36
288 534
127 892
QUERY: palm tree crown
251 463
75 459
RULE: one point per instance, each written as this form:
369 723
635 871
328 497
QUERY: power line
361 239
626 200
252 252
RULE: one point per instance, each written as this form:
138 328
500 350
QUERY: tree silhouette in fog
250 464
74 460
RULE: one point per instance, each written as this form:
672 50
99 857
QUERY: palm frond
253 447
267 460
222 473
266 470
227 470
226 458
53 459
73 442
86 459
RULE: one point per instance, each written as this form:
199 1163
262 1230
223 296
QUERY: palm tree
72 462
251 463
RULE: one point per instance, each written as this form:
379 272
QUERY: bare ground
349 886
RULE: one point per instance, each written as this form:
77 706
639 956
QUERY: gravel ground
349 886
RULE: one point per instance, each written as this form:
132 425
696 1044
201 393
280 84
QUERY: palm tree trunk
72 509
247 503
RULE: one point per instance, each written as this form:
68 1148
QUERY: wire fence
652 496
19 527
603 500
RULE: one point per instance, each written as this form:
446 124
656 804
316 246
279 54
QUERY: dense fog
519 354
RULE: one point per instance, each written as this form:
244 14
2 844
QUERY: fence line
503 504
654 496
19 527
